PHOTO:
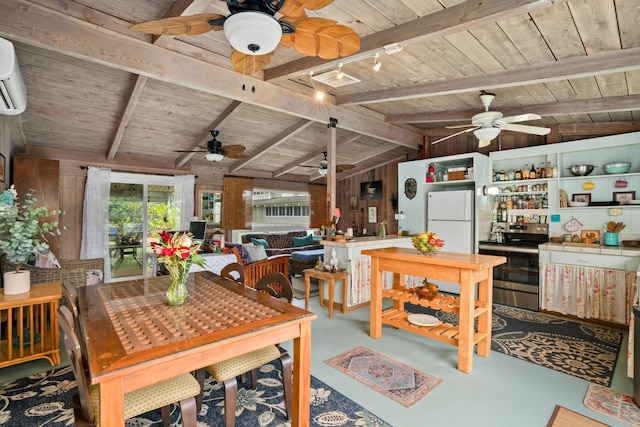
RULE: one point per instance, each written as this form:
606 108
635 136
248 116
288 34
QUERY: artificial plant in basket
22 231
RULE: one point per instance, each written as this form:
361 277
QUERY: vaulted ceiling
99 89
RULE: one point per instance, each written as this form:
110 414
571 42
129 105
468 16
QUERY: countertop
602 249
366 241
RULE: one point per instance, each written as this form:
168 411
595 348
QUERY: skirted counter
359 266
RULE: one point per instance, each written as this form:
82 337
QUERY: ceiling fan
486 126
322 170
254 32
215 151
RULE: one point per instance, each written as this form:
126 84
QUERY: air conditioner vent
13 95
329 78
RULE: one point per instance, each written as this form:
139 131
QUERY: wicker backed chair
71 271
183 388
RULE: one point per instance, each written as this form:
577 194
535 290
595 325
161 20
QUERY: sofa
283 243
254 270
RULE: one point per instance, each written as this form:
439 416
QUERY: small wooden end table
330 278
30 322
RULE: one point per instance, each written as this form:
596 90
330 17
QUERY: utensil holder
611 239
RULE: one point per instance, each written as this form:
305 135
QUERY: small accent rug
298 288
613 404
45 400
563 417
393 379
579 349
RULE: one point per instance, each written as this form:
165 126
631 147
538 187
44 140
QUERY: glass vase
177 292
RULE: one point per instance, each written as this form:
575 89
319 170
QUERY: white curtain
95 219
183 191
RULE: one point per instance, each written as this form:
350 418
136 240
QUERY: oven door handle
509 249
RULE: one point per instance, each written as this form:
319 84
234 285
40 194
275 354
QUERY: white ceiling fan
486 126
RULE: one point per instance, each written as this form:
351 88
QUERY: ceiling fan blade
313 4
238 155
323 38
342 168
455 134
234 148
461 126
520 118
191 151
249 64
178 25
535 130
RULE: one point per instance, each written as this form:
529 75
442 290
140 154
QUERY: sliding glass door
140 206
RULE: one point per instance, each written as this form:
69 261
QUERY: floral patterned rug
45 400
397 381
613 404
579 349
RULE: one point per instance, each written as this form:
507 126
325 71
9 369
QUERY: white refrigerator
450 215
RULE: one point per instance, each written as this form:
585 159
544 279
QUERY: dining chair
233 271
183 388
227 371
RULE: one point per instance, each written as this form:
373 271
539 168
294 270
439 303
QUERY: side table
29 325
329 277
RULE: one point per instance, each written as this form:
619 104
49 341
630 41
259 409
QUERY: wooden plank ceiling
101 90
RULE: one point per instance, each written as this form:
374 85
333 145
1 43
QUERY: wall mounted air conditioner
13 95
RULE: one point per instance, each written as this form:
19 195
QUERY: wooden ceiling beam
580 106
292 130
45 28
582 66
452 20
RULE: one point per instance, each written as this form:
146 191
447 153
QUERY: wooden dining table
135 339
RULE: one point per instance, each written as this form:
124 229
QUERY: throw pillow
302 241
256 252
261 242
46 259
94 277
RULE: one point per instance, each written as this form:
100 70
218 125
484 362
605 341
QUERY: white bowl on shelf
578 204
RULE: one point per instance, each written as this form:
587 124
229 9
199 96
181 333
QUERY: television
199 230
371 190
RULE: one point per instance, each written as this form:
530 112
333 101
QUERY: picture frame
624 196
353 203
589 236
3 167
373 214
582 197
371 190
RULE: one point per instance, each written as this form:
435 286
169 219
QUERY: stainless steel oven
515 283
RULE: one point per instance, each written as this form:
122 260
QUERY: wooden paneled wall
348 187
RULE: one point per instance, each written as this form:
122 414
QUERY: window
280 208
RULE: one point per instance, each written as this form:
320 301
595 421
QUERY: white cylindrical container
17 283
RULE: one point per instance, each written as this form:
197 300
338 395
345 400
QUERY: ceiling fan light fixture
253 33
214 157
486 134
322 171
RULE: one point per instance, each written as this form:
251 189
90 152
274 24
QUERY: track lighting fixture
319 94
376 64
340 74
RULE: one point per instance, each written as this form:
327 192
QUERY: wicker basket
425 293
456 176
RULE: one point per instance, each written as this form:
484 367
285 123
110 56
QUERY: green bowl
622 167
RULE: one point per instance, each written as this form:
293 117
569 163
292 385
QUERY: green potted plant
23 233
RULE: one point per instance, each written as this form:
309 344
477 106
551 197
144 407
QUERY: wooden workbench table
465 269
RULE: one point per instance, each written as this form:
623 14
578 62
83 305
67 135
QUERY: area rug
613 404
579 349
393 379
563 417
45 400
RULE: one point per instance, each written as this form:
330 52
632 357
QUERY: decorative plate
423 319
